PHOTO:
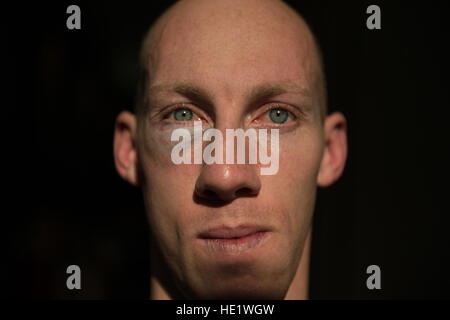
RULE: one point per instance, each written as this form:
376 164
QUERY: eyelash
170 112
280 106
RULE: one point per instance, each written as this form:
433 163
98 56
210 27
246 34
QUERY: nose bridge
228 181
228 115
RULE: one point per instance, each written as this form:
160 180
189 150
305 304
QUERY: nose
226 182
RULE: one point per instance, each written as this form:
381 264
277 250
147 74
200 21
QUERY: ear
125 153
335 153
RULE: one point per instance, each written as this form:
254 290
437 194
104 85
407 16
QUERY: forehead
232 45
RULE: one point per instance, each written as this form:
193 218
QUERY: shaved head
237 24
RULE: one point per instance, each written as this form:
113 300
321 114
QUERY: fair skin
228 63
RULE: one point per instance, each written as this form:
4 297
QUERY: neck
298 290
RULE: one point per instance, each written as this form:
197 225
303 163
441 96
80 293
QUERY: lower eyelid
170 117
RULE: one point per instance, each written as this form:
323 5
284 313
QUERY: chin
249 275
242 289
244 294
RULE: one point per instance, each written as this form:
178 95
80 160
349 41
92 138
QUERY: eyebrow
267 91
255 96
192 92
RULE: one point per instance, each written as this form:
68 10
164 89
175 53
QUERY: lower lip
235 245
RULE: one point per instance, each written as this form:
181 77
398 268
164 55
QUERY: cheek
169 192
300 158
156 145
168 189
168 198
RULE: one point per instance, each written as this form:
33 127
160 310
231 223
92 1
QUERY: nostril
244 192
210 195
219 184
226 196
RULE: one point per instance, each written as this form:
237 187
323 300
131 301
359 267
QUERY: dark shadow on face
210 199
162 270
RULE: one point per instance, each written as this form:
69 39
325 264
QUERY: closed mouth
233 240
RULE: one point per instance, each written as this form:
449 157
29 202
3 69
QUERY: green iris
278 115
182 114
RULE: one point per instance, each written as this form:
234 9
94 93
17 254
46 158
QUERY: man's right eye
182 114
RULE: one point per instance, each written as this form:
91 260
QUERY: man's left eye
278 115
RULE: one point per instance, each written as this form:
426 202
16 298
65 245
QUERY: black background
64 203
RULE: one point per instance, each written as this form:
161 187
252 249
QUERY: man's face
225 230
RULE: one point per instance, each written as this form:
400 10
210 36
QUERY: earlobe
335 153
125 152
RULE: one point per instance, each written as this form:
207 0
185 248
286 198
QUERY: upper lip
231 232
